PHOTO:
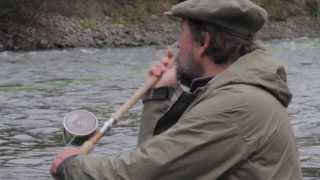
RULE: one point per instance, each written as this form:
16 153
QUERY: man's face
188 65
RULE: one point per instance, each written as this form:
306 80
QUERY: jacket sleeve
155 104
152 111
204 143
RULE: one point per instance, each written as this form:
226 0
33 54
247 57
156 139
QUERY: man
229 123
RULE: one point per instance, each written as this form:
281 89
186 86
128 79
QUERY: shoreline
59 32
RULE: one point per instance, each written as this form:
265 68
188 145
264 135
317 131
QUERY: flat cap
239 16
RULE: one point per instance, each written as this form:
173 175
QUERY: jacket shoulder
255 112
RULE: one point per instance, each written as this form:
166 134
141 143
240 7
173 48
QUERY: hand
60 157
164 69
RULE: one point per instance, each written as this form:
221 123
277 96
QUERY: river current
37 89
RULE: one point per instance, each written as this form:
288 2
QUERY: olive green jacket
237 128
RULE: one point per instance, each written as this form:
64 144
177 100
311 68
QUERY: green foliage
281 9
22 10
314 9
126 15
140 11
119 18
88 23
7 7
140 7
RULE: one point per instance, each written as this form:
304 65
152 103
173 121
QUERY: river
38 88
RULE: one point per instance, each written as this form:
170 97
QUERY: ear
205 43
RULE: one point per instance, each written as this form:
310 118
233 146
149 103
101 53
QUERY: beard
187 71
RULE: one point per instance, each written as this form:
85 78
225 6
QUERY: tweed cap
238 16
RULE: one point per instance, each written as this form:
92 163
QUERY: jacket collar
199 82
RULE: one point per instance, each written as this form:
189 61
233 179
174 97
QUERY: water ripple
37 89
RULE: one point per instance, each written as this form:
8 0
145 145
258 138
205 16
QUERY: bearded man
227 122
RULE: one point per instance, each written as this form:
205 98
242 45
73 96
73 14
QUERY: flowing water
37 89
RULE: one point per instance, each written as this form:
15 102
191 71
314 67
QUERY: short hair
225 47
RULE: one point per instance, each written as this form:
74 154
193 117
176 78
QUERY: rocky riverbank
120 25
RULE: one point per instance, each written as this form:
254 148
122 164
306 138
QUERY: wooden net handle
87 147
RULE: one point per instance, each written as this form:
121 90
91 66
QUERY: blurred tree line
281 9
26 9
19 9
